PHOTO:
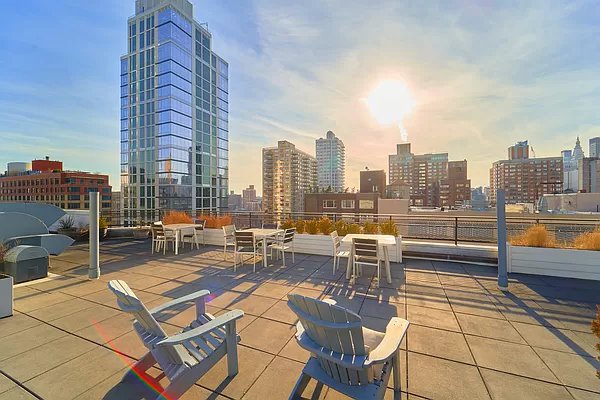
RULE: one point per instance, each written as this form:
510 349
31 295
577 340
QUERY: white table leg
265 252
386 255
350 258
176 241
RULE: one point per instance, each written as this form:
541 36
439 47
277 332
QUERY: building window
347 203
365 204
328 203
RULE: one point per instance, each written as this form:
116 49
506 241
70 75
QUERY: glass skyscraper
174 114
331 163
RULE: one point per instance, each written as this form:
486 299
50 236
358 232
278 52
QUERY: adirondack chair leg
396 371
300 386
317 393
141 366
231 343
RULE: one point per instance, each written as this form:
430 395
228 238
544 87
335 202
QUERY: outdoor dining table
385 241
264 234
178 229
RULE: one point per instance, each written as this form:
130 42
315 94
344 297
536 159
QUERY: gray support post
94 269
501 219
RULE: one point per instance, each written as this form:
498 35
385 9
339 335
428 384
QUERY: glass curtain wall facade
331 163
174 114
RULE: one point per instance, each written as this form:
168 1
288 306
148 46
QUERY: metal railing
428 227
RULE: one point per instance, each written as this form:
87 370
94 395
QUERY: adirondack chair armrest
394 333
203 329
198 296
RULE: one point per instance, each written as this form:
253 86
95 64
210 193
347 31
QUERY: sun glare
390 102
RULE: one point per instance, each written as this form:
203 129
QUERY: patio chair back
157 231
228 231
288 235
338 335
244 239
337 243
147 328
366 250
270 225
200 224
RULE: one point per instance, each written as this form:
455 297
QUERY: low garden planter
140 233
6 295
567 263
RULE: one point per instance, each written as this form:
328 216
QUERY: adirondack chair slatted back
288 235
335 329
367 249
244 239
150 328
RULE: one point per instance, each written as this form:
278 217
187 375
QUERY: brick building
456 188
46 182
526 180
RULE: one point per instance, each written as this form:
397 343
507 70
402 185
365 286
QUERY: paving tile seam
487 388
20 385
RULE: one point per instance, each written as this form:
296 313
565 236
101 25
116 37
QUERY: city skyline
477 87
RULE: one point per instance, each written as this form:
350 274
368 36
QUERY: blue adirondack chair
345 356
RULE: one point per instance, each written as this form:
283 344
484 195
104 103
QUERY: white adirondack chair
345 356
187 356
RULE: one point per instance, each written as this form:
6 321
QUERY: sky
482 75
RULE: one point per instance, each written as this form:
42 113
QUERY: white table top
259 232
384 240
180 226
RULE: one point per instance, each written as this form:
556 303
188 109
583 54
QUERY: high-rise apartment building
288 173
589 174
47 182
174 113
456 188
595 147
525 180
248 197
422 172
331 163
234 201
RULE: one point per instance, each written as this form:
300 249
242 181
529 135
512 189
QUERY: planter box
320 245
567 263
6 295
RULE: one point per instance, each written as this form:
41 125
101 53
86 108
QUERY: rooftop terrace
467 340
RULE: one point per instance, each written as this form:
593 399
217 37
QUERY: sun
390 102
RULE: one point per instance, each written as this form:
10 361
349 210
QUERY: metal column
501 219
94 269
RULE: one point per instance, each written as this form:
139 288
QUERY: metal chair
365 252
345 356
337 253
198 230
245 243
184 357
228 238
160 238
283 243
270 225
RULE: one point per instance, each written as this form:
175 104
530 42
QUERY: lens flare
390 102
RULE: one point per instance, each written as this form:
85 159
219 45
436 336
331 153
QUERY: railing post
94 215
456 231
250 219
501 221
